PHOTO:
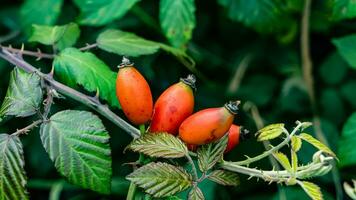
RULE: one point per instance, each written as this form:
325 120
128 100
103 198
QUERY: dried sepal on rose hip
208 125
173 106
133 93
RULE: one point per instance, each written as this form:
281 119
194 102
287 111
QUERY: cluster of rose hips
173 111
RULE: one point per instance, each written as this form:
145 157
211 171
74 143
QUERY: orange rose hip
208 125
133 93
174 105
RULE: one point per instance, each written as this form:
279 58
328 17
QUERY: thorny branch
91 102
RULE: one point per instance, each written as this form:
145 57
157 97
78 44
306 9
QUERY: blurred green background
244 49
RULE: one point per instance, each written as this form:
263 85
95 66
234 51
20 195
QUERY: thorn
39 54
22 47
97 93
51 73
250 177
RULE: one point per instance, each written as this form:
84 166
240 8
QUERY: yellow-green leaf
312 190
294 160
296 143
283 160
270 132
316 143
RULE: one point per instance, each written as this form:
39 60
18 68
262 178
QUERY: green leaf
223 177
296 143
346 48
210 154
124 43
177 20
311 189
283 160
334 69
343 9
78 144
262 15
84 68
270 132
348 92
316 143
161 179
336 112
163 145
347 150
61 36
195 194
43 12
101 12
23 96
13 178
294 158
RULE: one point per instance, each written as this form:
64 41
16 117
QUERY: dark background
273 82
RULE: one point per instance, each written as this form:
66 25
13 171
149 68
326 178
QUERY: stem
195 173
91 102
27 128
38 54
88 47
272 150
307 66
142 129
131 192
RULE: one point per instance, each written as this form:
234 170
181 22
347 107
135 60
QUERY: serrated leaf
24 95
162 145
177 20
346 144
223 177
294 158
270 132
262 15
78 144
283 160
316 143
343 9
40 12
346 48
210 154
195 194
60 36
101 12
13 178
84 68
161 179
312 190
296 143
124 43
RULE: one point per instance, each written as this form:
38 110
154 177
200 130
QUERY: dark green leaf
262 15
161 179
347 150
343 9
316 143
210 154
348 92
101 12
312 190
74 66
44 12
332 106
223 177
78 144
346 47
270 132
177 20
23 96
159 145
13 178
124 43
333 69
195 194
61 36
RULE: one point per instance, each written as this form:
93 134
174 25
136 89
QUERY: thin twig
195 173
239 74
9 36
272 150
27 128
67 91
307 66
38 54
88 46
